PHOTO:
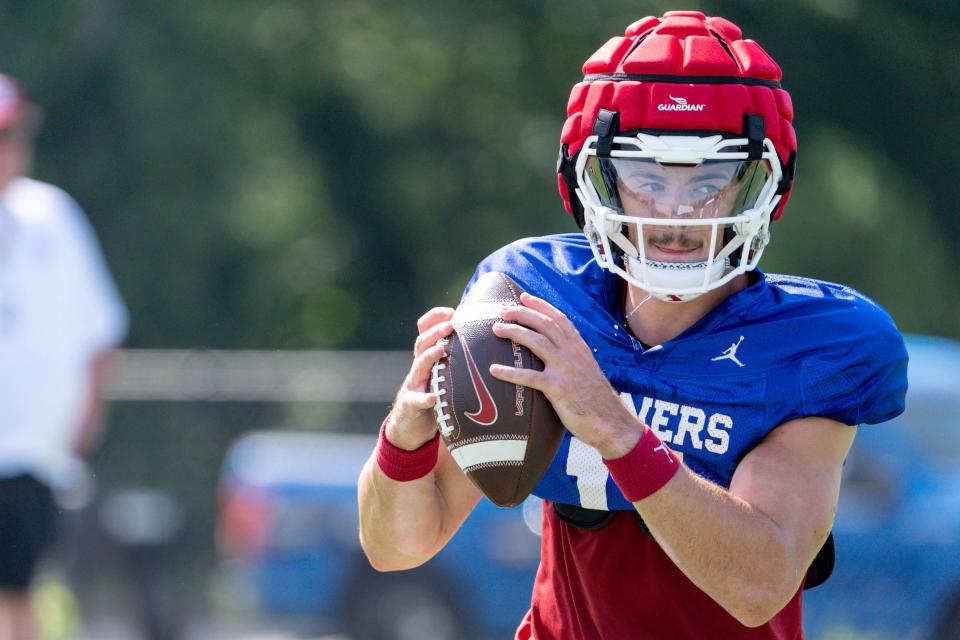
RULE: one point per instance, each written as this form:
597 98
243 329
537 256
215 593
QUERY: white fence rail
257 376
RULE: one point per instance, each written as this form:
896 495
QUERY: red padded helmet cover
706 79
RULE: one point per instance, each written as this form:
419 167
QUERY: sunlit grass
55 607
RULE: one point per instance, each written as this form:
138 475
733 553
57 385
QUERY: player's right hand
412 421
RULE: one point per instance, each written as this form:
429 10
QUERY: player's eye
643 185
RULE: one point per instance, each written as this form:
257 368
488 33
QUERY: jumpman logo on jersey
730 353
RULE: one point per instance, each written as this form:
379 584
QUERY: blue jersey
780 349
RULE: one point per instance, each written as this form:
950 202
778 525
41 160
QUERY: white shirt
59 309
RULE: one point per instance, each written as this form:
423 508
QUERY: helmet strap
755 132
786 180
606 126
567 169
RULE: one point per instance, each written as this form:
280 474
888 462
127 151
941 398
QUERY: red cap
13 101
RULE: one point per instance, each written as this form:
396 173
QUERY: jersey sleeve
860 376
101 312
522 260
556 268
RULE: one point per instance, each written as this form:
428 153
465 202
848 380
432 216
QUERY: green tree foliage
295 174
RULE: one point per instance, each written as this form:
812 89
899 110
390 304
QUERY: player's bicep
793 477
458 494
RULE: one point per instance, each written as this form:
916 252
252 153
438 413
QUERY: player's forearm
732 551
400 522
93 418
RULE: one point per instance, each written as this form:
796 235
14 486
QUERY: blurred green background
315 174
269 174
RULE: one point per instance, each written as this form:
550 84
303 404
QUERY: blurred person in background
60 320
709 406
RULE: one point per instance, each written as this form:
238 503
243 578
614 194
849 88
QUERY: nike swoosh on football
486 415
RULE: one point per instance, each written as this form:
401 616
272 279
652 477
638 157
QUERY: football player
709 406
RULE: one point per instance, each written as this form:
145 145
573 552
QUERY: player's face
652 190
711 190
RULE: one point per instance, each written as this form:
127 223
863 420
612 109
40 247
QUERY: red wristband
645 468
402 465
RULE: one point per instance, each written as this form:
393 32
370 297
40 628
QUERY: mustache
677 240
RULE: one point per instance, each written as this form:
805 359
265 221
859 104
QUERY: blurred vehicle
288 533
897 530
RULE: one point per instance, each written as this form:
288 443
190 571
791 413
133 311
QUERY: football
502 435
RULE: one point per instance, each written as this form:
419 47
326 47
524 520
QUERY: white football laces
443 418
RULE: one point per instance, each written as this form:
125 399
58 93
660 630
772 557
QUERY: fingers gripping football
417 381
432 317
548 333
542 324
429 336
571 378
554 323
412 422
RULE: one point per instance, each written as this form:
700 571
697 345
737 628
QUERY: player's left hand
571 378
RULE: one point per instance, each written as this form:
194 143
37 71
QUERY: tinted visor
645 188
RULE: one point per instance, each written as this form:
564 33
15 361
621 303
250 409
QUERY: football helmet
677 153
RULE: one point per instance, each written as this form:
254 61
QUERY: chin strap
676 275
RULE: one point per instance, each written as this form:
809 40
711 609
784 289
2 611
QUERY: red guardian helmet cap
677 153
